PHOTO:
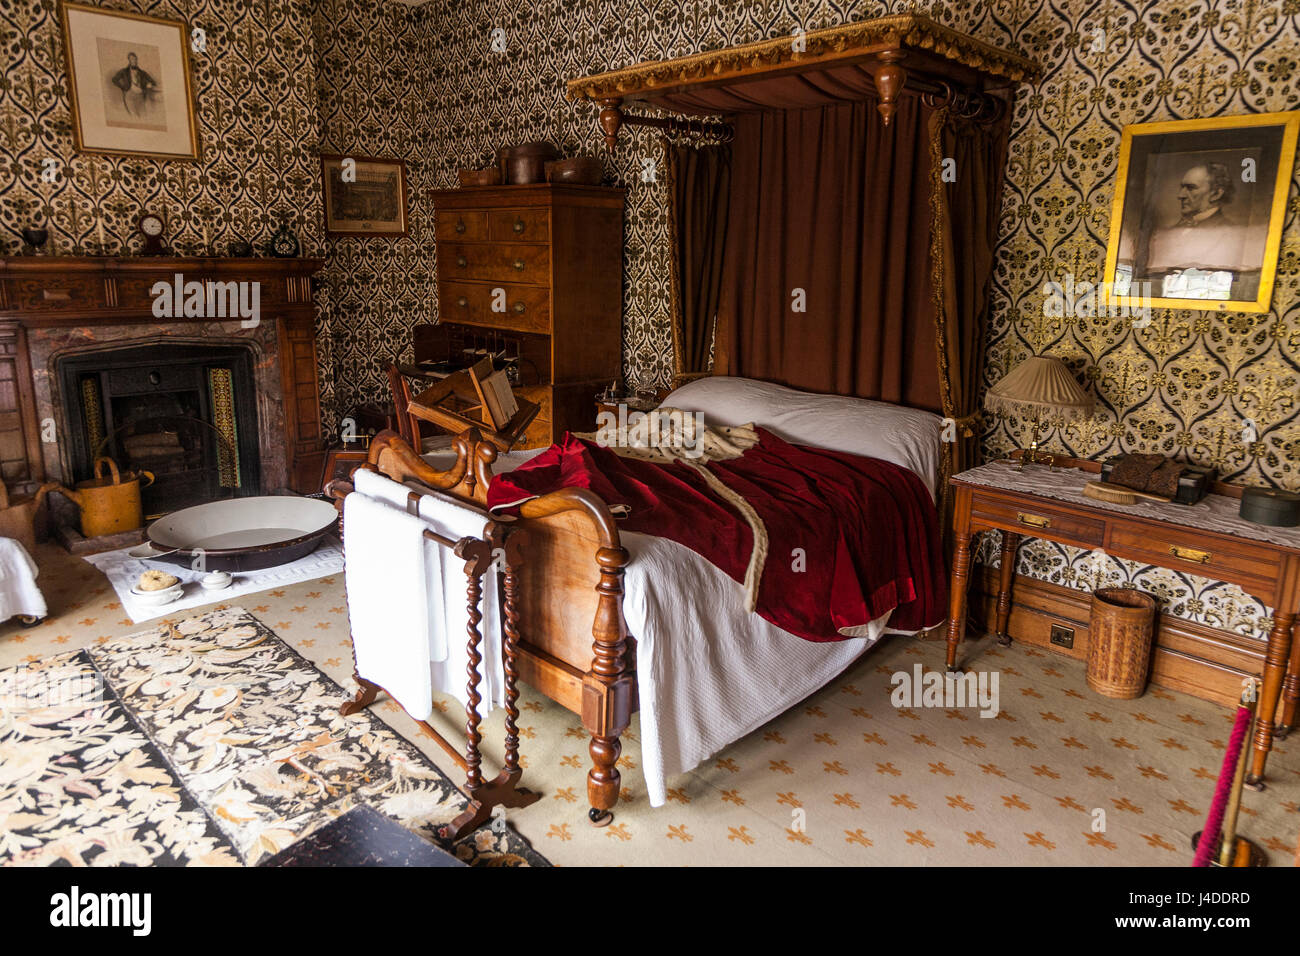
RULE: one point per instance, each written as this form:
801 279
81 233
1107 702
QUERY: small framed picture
129 82
364 196
1198 212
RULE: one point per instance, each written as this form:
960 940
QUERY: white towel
18 591
455 520
391 572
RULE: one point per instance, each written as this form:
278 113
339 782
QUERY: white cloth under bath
454 520
393 575
18 591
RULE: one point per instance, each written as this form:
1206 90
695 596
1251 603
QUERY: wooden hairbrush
1119 494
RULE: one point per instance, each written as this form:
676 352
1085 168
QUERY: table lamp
1040 386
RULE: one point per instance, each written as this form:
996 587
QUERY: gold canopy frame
900 51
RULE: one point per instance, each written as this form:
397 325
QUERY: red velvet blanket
849 538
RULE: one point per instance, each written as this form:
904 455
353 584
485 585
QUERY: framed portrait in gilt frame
1198 212
129 83
364 196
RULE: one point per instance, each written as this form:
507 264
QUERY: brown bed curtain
831 210
965 231
699 190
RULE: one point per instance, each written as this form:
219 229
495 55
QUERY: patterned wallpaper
445 83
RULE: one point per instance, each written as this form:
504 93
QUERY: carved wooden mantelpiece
899 51
53 306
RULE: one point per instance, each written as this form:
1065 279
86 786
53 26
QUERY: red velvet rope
1214 821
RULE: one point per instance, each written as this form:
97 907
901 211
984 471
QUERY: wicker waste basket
1119 642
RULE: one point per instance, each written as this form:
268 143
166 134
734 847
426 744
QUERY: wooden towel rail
479 555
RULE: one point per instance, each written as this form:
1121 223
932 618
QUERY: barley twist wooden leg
473 760
1275 661
1006 576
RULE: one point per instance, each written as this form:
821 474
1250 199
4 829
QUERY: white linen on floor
708 671
123 571
393 575
18 591
451 519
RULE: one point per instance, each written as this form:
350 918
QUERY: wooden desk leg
1290 692
1006 575
1275 661
957 595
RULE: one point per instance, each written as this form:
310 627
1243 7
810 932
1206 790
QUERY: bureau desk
1207 539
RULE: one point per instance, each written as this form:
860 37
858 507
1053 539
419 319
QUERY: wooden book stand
477 553
478 397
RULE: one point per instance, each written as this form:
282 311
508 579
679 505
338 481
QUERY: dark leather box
1193 485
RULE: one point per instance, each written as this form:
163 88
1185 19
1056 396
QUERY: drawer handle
1034 521
462 302
462 261
519 225
460 225
519 307
519 265
1190 554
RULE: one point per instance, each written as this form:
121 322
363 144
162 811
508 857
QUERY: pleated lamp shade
1040 386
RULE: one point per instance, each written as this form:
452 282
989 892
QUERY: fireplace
67 321
185 413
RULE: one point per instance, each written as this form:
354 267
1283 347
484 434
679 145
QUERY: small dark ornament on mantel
241 249
34 237
284 244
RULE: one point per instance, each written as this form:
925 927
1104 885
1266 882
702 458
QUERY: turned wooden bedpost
607 690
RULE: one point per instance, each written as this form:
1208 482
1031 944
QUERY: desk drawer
1239 562
1039 520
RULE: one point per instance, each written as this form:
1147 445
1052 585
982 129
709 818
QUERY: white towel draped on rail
446 596
394 580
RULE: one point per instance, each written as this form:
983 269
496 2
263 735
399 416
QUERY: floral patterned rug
204 741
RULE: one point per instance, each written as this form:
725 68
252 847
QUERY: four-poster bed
894 295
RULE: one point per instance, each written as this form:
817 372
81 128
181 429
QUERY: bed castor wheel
27 620
1281 733
1004 640
599 818
1254 784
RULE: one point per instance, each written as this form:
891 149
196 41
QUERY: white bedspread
708 671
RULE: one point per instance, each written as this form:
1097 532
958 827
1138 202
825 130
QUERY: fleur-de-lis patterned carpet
1061 777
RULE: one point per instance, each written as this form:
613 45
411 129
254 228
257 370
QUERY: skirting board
1193 658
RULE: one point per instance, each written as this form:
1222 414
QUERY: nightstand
1207 539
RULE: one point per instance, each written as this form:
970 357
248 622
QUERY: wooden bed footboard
571 586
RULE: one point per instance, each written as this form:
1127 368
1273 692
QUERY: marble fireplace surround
56 307
47 346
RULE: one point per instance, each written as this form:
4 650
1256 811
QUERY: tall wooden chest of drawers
540 267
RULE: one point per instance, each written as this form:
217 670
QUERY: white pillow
905 436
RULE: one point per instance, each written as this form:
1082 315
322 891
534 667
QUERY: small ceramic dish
216 580
163 596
